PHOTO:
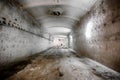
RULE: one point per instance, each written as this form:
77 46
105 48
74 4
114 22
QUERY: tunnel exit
60 42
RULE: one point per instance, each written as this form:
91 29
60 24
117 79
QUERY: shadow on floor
15 67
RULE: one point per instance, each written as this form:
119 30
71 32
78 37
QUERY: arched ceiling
58 13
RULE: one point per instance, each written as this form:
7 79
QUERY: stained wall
97 35
20 35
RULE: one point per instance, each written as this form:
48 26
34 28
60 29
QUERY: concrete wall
20 35
14 15
97 35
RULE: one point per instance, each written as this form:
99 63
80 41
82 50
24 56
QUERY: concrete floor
63 64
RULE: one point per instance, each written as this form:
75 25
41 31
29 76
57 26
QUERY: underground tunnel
59 40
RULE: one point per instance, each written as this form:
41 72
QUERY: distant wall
20 35
97 35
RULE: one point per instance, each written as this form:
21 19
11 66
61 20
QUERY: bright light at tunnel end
60 42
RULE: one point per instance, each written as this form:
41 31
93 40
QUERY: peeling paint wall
97 35
20 35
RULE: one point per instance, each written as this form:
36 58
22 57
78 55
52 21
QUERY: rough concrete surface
97 35
20 35
16 44
62 64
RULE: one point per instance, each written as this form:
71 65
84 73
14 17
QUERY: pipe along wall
20 35
97 35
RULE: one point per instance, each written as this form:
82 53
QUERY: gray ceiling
56 14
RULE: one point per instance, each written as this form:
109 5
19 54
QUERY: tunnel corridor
59 40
